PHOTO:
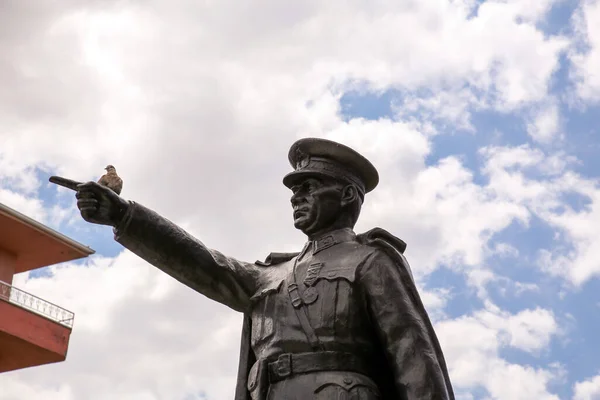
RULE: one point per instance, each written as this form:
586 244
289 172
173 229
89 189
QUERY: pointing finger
68 183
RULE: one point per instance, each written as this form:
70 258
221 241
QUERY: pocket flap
270 287
346 380
338 273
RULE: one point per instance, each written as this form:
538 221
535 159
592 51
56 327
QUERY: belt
291 364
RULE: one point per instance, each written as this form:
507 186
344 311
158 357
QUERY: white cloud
521 287
452 107
526 382
586 60
30 206
97 85
510 171
14 389
545 123
530 10
529 330
472 343
504 250
588 389
579 263
33 207
435 301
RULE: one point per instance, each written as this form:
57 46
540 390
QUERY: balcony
32 331
36 305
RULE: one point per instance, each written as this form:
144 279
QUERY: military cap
313 156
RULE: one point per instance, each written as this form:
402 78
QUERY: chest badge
312 273
310 295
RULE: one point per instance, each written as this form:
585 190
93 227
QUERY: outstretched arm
174 251
166 246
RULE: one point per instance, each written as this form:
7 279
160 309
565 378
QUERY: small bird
111 180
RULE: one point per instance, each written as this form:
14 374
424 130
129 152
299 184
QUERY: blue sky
577 352
482 118
580 355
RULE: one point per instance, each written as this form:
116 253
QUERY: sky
482 118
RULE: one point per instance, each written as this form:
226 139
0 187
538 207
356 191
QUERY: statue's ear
349 195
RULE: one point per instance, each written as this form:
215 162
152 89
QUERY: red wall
8 262
28 339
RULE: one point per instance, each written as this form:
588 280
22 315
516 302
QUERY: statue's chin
303 224
309 226
300 225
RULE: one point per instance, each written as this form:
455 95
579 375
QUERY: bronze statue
341 319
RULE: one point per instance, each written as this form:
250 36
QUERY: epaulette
276 258
381 234
389 243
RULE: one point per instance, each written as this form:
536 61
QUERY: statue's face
317 204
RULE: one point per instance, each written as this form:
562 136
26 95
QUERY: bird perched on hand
111 180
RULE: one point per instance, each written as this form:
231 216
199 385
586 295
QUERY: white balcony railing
32 303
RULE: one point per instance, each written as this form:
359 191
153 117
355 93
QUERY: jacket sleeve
174 251
401 329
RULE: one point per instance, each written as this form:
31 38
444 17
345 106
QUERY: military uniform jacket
359 295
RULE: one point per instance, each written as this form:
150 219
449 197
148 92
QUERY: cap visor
293 177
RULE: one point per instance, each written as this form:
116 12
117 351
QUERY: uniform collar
330 239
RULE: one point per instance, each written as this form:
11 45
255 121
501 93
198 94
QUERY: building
33 331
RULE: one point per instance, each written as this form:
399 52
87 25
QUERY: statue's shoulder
388 244
380 238
275 259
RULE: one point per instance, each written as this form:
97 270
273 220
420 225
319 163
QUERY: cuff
122 226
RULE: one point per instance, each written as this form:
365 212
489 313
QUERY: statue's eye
312 185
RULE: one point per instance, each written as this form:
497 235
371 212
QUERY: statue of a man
341 319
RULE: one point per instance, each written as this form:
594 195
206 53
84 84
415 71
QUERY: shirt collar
330 239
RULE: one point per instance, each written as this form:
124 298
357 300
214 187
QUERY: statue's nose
295 199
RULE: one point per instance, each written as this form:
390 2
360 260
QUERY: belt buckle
283 366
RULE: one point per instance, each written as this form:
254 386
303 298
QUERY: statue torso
326 279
